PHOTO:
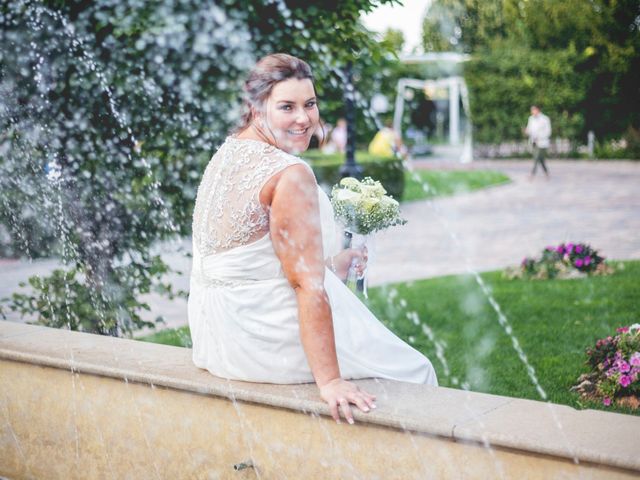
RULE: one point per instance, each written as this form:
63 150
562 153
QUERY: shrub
568 260
615 369
627 147
506 79
387 170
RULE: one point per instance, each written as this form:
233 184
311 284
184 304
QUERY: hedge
388 170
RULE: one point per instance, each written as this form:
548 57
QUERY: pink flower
625 380
578 262
623 366
587 260
560 249
606 401
569 247
622 329
578 248
635 359
550 248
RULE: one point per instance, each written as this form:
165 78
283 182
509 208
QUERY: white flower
375 191
351 183
345 195
388 201
368 204
363 207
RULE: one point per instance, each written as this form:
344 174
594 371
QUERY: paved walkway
594 202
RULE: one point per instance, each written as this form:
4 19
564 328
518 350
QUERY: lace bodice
228 212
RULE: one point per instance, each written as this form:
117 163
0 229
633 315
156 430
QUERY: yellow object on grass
382 143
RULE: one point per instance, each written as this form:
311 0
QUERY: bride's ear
256 117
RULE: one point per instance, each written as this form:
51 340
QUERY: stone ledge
536 427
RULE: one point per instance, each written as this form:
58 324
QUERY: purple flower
625 380
587 260
624 366
569 247
606 401
560 249
550 248
578 248
578 262
635 359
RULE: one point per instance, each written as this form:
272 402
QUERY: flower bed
615 369
570 260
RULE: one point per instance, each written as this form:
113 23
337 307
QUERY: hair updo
269 71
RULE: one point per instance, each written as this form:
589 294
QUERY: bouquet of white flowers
363 208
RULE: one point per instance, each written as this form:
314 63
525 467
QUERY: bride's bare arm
297 241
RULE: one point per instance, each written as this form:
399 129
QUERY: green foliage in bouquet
615 369
363 207
570 260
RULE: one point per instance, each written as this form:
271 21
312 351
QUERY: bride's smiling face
292 115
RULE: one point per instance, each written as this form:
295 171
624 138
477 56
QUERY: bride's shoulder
263 157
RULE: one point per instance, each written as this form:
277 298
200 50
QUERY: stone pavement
597 202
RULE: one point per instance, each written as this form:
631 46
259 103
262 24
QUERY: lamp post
350 168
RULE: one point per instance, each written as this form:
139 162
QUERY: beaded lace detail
228 212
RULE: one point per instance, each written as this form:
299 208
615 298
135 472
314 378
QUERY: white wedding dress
243 313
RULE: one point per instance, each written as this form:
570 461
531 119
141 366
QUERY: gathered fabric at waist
250 264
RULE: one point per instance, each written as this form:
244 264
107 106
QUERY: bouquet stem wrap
360 242
363 209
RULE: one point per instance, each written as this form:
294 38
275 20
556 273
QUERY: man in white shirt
539 132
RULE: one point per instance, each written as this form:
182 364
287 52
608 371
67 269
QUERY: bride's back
228 212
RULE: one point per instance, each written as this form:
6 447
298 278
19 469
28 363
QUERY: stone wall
80 406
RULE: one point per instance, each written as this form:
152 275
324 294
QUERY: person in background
387 142
338 138
539 131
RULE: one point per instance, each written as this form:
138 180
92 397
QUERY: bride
266 301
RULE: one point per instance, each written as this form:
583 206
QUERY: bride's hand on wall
342 262
339 394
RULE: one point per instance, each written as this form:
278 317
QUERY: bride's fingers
346 410
334 411
370 401
361 403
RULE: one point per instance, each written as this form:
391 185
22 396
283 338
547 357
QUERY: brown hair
269 71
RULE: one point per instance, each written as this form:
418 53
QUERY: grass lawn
179 337
554 321
441 183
